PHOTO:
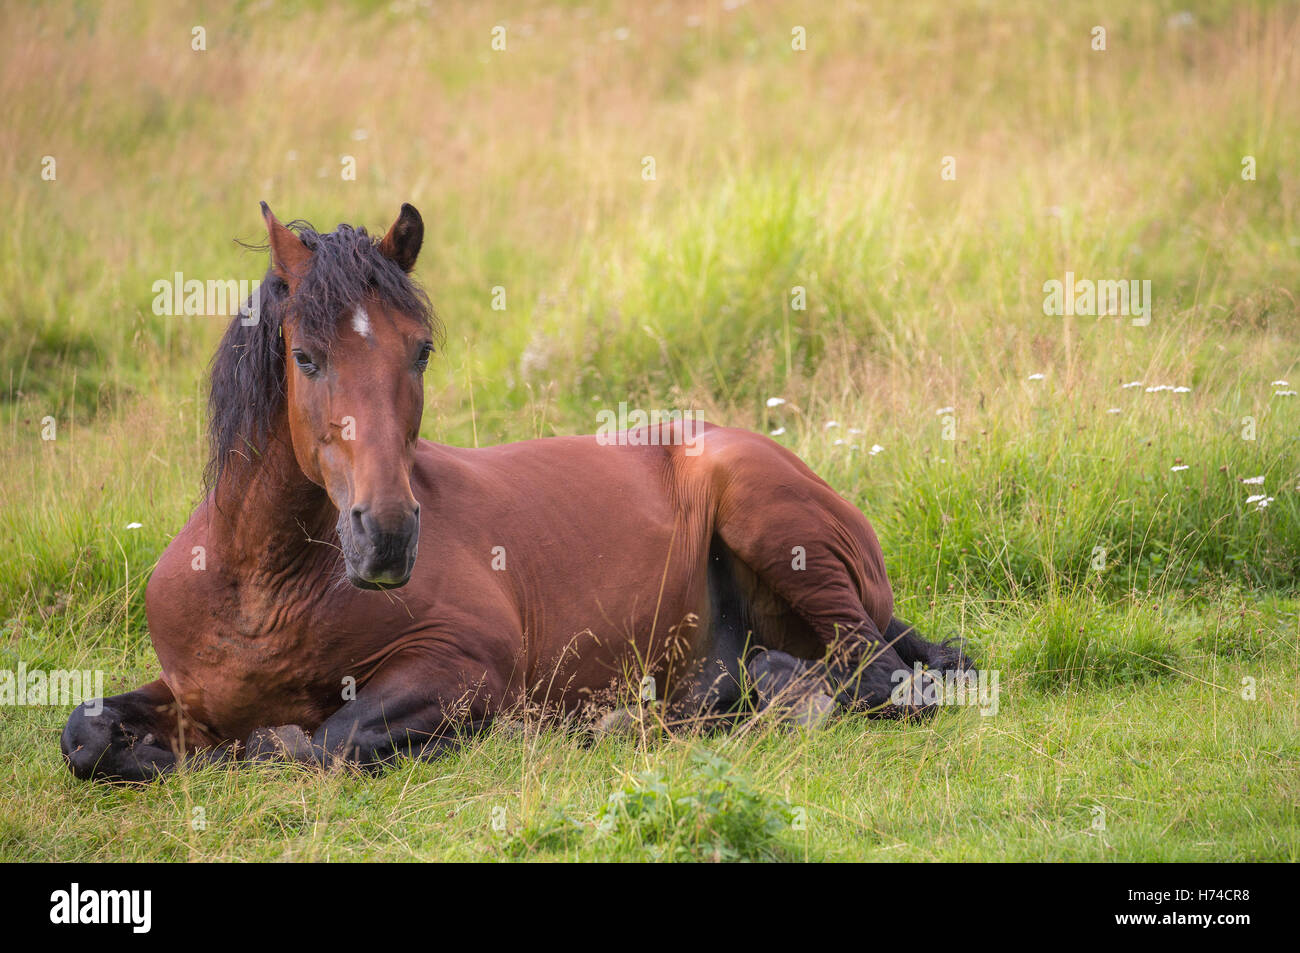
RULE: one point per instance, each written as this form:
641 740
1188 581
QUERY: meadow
844 245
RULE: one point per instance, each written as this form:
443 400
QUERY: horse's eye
304 362
422 361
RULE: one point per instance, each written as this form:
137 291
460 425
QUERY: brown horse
292 617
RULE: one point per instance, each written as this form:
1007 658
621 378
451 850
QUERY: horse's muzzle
380 550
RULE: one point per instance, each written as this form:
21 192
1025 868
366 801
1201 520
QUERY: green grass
1127 606
1183 767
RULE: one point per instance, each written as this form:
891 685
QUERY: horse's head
356 343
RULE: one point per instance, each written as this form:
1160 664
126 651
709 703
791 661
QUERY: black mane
247 374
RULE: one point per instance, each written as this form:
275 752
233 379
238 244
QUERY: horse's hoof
792 687
284 743
86 739
511 727
811 712
620 721
105 747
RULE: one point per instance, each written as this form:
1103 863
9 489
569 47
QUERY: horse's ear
289 256
403 241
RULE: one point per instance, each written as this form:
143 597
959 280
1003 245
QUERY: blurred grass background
775 168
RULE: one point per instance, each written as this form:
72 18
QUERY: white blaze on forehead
361 322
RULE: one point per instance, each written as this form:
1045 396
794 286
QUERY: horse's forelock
247 374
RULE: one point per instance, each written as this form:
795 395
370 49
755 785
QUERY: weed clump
712 813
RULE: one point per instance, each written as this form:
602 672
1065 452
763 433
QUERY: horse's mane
247 373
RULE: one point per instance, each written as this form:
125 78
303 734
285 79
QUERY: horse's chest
250 662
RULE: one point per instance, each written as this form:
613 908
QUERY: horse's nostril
359 520
384 531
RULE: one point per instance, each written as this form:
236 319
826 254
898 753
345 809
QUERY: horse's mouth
378 584
388 576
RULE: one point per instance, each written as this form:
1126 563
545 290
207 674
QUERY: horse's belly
606 644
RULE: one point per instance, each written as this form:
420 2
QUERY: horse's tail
949 655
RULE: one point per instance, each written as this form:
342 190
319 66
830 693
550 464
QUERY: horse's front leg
136 736
410 708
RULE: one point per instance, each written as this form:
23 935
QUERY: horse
347 593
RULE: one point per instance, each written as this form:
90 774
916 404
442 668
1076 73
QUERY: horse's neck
267 519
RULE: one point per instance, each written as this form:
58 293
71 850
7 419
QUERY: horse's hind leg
947 656
707 690
818 553
135 736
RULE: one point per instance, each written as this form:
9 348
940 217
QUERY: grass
1144 620
1179 764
